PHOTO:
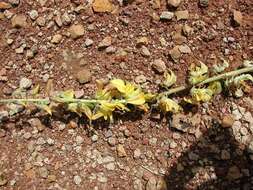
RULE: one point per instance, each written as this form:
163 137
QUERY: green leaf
170 79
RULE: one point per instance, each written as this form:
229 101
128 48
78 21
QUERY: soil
59 152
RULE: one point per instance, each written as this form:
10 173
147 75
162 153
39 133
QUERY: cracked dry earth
73 43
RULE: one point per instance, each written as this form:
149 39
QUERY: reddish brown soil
158 160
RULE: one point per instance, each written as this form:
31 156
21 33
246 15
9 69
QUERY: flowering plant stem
166 93
211 79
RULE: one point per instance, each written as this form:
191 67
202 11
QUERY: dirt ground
122 39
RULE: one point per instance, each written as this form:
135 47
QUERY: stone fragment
94 138
4 5
178 38
76 31
175 53
166 15
234 173
25 83
66 19
137 153
151 184
83 76
14 2
142 41
228 121
58 20
237 18
145 51
174 3
180 122
3 115
41 21
3 180
19 21
184 49
107 41
88 42
43 172
204 3
121 151
187 30
182 15
77 179
159 65
102 6
33 14
56 39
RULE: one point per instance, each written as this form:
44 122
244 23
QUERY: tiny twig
155 173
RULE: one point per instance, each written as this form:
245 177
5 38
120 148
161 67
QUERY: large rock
102 6
76 31
19 21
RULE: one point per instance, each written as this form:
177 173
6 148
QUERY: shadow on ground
234 171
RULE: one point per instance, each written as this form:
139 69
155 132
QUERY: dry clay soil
139 151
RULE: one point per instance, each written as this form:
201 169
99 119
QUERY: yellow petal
169 105
198 73
170 79
45 108
68 94
86 110
136 98
36 90
119 84
215 87
201 94
149 97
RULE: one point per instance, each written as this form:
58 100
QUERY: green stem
209 80
4 101
74 100
227 75
167 93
